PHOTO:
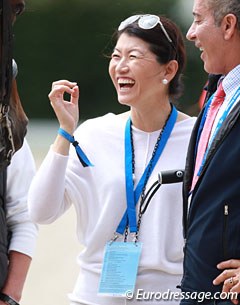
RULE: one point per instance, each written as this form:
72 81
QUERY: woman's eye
114 55
132 56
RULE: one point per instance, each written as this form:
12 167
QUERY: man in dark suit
211 189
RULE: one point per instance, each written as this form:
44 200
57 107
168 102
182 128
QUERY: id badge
120 265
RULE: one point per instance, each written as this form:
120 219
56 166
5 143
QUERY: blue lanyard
219 124
129 218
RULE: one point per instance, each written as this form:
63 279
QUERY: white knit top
99 197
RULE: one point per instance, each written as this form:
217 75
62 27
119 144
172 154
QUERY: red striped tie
205 135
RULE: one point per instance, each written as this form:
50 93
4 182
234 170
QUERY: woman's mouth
125 83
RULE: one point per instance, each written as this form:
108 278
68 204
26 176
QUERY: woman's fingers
75 95
60 88
67 111
58 92
64 82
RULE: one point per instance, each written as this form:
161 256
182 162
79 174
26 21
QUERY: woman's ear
229 26
171 70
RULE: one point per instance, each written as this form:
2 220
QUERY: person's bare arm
19 264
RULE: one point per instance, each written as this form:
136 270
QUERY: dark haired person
17 232
113 188
211 184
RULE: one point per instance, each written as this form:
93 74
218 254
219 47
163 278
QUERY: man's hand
230 277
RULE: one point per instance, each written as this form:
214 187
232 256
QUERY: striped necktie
205 135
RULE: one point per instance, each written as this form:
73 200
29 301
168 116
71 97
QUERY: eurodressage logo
169 295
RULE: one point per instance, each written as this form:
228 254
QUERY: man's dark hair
221 8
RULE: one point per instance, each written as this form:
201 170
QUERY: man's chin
207 68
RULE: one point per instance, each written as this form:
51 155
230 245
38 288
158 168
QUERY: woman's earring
165 81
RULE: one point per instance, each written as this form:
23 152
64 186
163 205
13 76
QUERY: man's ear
229 26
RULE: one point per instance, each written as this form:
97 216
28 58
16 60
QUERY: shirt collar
231 81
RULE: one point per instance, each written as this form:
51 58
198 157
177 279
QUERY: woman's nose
122 66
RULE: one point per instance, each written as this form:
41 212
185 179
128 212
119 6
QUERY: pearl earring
165 81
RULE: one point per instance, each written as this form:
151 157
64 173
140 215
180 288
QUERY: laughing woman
131 230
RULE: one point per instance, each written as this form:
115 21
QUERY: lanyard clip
115 237
134 237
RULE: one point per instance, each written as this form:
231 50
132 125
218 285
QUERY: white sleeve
19 176
46 199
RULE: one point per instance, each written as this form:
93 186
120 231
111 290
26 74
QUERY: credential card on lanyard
120 267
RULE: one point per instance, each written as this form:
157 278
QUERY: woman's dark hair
164 50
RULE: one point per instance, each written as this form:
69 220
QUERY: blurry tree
57 39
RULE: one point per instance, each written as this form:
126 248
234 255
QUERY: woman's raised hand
67 112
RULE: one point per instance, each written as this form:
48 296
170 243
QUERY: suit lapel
189 169
223 132
190 160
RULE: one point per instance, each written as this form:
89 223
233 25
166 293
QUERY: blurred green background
56 39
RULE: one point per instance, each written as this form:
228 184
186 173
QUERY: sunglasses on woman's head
145 22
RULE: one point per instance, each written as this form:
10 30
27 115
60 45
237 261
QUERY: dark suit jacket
212 223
